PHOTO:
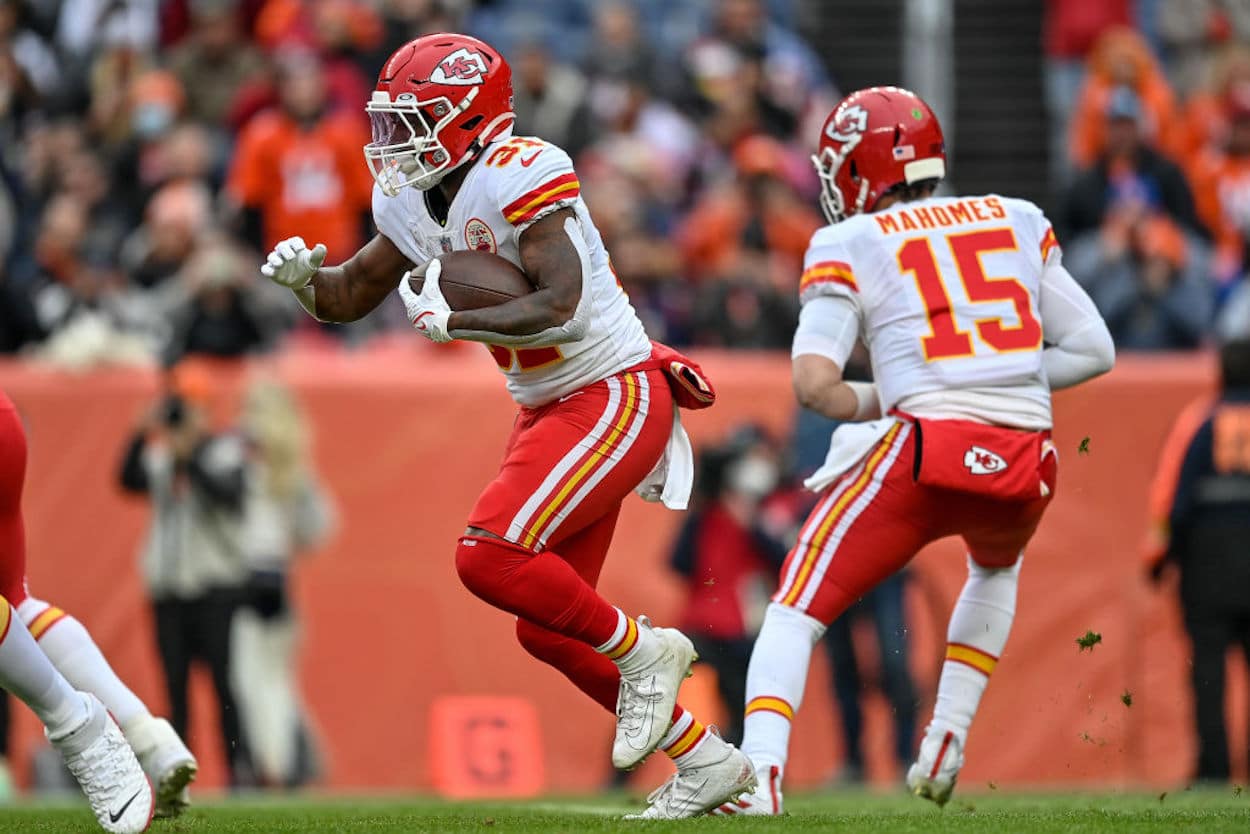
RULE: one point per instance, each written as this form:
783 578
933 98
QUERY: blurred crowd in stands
152 150
1149 107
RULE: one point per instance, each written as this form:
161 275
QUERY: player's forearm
1082 355
841 401
540 319
328 296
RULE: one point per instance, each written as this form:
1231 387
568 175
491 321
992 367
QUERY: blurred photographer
726 561
192 560
287 514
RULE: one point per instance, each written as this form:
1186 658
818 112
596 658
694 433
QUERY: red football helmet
874 140
440 99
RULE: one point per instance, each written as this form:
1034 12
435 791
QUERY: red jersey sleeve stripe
836 272
532 202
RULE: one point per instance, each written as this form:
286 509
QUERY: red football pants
871 522
568 466
12 531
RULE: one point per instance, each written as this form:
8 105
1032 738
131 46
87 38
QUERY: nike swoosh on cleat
114 816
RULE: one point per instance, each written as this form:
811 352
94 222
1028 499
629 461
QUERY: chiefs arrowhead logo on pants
981 461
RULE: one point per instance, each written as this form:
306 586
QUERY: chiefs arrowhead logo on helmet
460 67
982 461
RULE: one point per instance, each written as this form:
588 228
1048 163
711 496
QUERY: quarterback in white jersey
970 320
598 399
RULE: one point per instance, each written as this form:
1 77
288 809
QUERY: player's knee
789 617
485 565
987 564
536 640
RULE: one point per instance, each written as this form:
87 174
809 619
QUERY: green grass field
866 813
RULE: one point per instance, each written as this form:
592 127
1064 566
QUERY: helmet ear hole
854 170
472 123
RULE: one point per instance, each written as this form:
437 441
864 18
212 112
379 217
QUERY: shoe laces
664 794
96 767
632 703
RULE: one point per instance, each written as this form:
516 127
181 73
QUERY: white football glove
292 264
428 311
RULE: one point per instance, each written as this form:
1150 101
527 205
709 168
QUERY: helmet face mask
873 141
439 100
406 149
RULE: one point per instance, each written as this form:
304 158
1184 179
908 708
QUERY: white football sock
632 646
28 674
776 679
72 651
975 638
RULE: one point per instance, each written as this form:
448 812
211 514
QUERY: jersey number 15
945 339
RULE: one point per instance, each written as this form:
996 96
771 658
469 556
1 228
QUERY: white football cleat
166 760
763 801
106 768
717 773
644 706
937 767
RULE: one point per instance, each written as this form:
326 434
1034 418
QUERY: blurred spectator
84 27
286 514
77 296
726 566
1150 283
1071 27
618 51
299 170
19 324
1205 116
226 311
141 136
1222 187
758 212
213 62
1128 175
1121 59
28 68
746 54
1192 31
403 20
1204 516
744 314
550 99
192 562
749 236
338 33
177 216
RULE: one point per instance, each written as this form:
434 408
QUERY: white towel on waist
672 479
851 441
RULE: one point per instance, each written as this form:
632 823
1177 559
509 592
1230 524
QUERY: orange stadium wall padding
406 434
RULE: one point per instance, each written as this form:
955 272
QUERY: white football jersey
516 181
947 291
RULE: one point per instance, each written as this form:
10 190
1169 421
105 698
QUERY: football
471 280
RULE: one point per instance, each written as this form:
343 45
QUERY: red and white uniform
517 181
947 294
593 425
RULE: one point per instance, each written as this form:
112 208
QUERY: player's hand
292 264
428 311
